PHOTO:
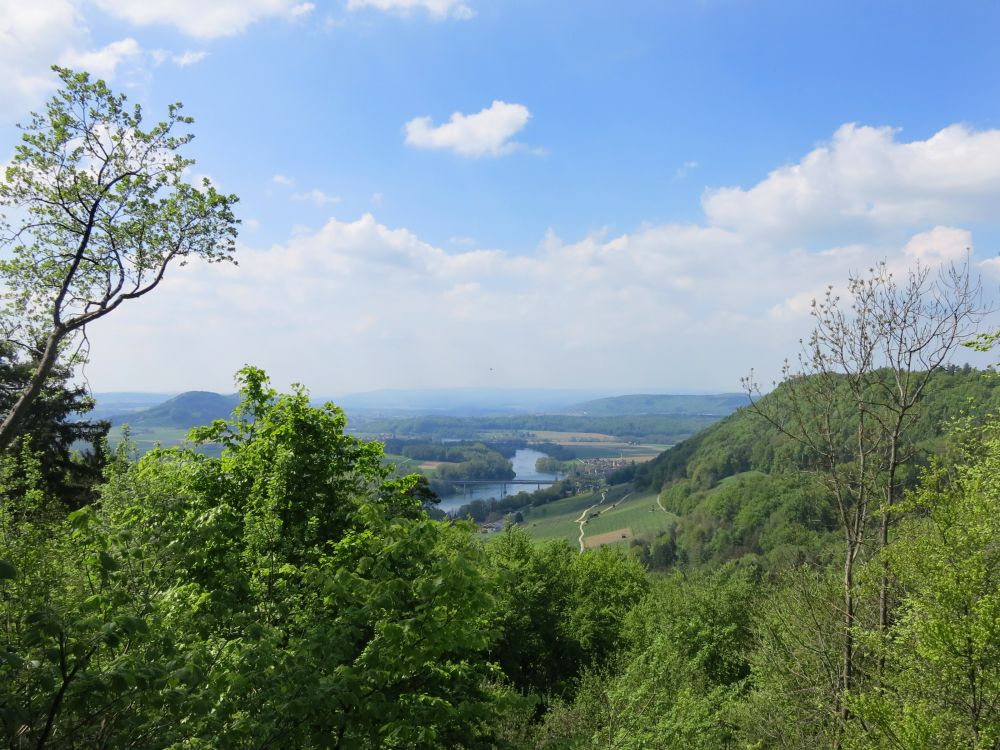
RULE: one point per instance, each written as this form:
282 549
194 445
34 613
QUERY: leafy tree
558 612
942 682
680 673
74 645
56 431
282 594
793 696
862 376
535 650
101 209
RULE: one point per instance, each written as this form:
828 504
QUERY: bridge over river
468 485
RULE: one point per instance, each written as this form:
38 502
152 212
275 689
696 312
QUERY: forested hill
187 410
719 405
741 487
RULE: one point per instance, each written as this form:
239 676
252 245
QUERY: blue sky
439 193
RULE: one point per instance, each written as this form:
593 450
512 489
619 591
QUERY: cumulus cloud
485 133
283 180
32 36
203 20
104 62
939 245
435 8
377 296
670 305
866 177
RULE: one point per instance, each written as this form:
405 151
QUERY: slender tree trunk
847 673
11 425
886 578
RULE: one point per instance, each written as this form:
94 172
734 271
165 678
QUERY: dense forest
832 580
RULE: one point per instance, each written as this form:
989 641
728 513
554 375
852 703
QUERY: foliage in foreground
287 594
284 594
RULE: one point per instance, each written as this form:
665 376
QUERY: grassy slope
637 512
557 520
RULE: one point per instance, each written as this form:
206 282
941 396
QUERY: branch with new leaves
101 208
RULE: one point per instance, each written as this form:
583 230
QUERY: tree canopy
99 208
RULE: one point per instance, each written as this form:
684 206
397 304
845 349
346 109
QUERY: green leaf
8 570
108 563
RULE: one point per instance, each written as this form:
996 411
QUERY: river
523 462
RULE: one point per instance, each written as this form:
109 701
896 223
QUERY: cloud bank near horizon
363 305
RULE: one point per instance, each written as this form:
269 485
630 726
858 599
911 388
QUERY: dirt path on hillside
583 516
659 503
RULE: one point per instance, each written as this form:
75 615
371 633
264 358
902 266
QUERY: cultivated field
612 537
597 445
635 514
638 513
146 438
557 520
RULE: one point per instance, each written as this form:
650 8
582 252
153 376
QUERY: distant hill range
464 402
719 405
184 411
194 408
115 404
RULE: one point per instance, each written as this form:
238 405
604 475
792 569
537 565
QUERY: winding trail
583 516
658 501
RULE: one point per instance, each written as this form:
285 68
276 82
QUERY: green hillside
743 490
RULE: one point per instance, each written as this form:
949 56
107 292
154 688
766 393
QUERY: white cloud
864 178
435 8
404 306
485 133
35 35
283 180
939 245
316 197
673 305
104 62
188 57
203 20
32 36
